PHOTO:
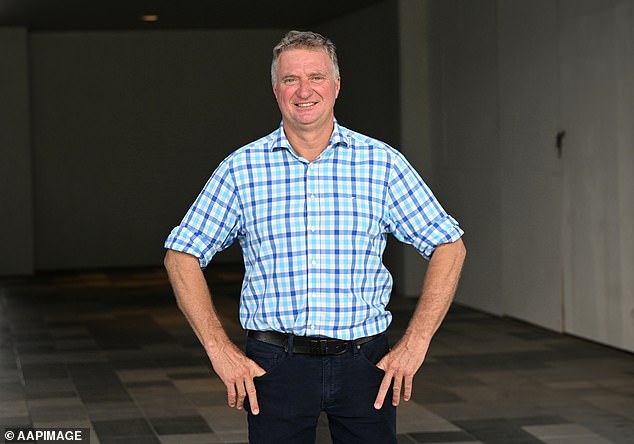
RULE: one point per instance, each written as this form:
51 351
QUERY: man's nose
304 90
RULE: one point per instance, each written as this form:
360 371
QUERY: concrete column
16 200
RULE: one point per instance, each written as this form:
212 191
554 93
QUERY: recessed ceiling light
150 18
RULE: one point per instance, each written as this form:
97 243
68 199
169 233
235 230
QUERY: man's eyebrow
310 74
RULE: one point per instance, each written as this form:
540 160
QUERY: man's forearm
439 288
194 299
406 357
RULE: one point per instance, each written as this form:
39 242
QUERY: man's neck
309 143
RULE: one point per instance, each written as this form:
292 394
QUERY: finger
396 390
241 394
253 398
380 397
231 395
407 392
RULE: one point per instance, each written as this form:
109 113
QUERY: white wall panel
531 170
596 102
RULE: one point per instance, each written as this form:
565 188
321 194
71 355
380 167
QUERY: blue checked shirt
313 233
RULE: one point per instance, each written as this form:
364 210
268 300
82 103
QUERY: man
311 205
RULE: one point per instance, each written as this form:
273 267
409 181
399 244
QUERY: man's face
306 89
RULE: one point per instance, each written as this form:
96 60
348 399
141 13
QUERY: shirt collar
339 137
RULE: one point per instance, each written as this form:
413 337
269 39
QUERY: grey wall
531 170
16 215
369 65
415 94
126 127
549 239
597 93
463 125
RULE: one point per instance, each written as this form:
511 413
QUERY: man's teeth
304 105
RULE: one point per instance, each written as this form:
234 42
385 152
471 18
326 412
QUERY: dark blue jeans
298 387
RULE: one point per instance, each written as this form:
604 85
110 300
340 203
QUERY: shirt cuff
192 242
443 230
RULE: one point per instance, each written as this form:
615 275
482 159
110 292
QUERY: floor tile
134 427
440 437
565 433
200 438
179 425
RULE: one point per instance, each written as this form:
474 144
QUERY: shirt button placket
312 190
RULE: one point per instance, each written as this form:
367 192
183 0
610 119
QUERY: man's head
304 40
305 82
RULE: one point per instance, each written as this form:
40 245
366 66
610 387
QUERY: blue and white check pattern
313 233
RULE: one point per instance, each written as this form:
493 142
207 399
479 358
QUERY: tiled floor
111 352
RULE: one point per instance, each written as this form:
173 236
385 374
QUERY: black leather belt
310 345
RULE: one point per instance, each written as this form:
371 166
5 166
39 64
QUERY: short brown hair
304 40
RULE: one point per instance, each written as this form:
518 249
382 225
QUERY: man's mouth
305 105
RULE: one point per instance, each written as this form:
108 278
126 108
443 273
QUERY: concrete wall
16 211
531 176
126 127
597 92
463 125
549 236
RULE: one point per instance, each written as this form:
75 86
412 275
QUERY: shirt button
314 262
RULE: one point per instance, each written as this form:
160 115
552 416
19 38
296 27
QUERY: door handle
559 143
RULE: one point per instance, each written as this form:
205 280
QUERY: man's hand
400 365
237 372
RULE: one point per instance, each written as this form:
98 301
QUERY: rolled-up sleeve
213 221
415 215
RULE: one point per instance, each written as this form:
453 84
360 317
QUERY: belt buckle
319 347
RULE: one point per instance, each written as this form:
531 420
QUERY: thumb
382 364
256 370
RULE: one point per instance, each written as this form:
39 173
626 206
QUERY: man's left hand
400 365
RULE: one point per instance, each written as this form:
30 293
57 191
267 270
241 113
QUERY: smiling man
312 205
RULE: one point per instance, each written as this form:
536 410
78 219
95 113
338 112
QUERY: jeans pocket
372 352
265 355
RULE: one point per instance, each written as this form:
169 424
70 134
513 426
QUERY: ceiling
74 15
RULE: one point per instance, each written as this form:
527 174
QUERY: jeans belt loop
356 348
289 345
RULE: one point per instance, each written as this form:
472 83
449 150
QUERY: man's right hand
237 372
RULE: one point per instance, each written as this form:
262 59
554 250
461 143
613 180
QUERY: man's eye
289 81
318 78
